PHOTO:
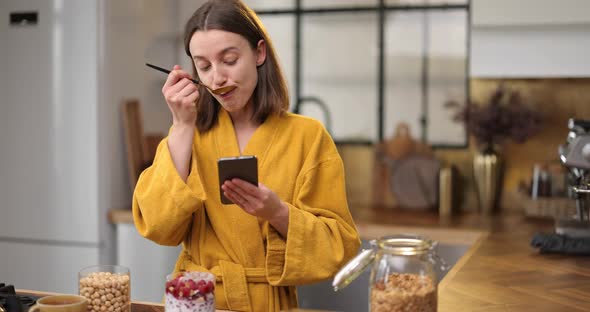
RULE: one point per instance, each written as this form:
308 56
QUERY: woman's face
226 59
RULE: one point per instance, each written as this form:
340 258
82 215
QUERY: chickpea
106 292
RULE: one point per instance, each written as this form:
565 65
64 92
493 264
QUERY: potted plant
504 116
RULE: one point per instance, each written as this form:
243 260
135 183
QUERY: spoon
218 91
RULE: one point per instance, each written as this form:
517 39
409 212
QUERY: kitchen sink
355 297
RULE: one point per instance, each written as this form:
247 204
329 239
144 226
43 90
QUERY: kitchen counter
499 272
136 306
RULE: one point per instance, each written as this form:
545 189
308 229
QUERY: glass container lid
401 244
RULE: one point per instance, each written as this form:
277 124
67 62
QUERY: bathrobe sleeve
163 204
322 236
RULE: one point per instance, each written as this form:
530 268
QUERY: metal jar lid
403 245
406 244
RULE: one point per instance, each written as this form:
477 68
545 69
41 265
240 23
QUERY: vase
487 172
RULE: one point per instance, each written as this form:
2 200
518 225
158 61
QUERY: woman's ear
260 52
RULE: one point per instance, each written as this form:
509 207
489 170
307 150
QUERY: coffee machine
575 156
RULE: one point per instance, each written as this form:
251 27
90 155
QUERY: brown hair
270 95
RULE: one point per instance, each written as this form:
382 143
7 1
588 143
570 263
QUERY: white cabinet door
530 12
44 267
531 52
530 39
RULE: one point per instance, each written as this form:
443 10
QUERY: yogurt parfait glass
190 292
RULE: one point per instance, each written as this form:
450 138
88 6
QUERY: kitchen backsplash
557 99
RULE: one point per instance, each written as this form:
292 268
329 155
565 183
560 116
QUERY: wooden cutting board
405 172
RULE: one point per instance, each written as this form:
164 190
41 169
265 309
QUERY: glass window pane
337 3
340 68
281 29
447 48
424 2
445 64
403 69
270 5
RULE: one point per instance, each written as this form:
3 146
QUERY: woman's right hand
181 95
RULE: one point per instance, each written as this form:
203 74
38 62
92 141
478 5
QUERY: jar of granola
403 276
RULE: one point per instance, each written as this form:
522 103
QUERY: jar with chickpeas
107 288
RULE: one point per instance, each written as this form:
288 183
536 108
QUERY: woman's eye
231 62
204 68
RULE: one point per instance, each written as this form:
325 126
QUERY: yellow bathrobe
256 268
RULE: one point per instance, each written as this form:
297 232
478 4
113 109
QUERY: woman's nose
219 78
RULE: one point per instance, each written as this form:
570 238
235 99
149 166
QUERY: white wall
530 39
185 10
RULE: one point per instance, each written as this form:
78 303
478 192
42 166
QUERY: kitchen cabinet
530 39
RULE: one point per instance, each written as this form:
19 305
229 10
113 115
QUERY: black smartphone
242 167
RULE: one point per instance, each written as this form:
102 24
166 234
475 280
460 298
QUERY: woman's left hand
258 201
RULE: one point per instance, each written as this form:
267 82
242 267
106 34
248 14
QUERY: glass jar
403 276
107 288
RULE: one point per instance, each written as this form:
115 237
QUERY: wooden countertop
137 306
500 271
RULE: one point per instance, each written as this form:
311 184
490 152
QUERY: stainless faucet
575 155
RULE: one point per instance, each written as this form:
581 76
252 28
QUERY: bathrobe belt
235 279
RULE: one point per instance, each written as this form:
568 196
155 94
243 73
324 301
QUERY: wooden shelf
118 216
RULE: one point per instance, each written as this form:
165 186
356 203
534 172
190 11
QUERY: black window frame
381 9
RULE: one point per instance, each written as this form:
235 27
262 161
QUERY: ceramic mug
61 303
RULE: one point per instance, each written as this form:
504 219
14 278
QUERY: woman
295 227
